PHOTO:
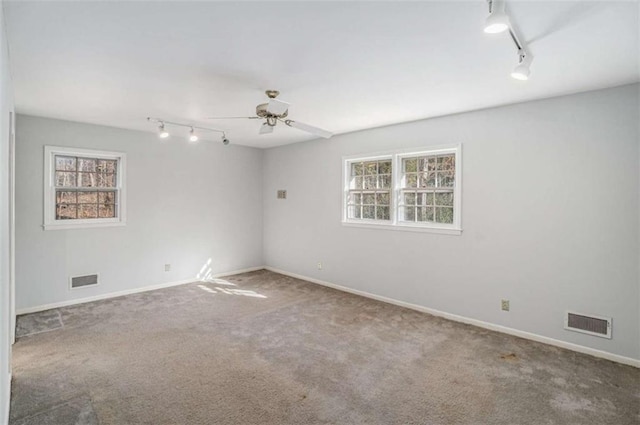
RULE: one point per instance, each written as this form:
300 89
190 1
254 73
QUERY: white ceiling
343 66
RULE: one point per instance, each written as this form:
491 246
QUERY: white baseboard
44 307
479 323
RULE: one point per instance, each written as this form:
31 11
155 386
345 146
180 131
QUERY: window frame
394 223
50 222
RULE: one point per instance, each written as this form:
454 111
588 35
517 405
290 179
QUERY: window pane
63 197
382 198
87 211
422 180
432 164
444 215
106 211
355 198
65 179
107 197
65 212
411 180
86 164
65 163
357 169
384 167
356 183
446 162
384 181
425 198
428 179
370 182
424 214
369 212
445 179
354 211
422 163
410 165
369 198
106 180
371 167
444 198
382 213
107 166
87 179
410 198
87 197
409 214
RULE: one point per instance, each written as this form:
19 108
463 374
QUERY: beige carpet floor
262 348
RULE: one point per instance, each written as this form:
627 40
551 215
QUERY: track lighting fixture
162 133
193 137
521 71
498 21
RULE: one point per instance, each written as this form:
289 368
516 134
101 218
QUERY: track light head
521 71
497 21
162 133
192 135
225 141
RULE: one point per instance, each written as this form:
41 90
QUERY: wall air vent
282 194
83 281
588 324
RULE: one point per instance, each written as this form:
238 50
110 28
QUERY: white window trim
396 157
50 222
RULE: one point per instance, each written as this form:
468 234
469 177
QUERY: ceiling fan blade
309 129
232 118
277 107
265 128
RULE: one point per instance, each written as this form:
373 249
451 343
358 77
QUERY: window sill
67 226
405 228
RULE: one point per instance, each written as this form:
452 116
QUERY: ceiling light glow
162 133
192 135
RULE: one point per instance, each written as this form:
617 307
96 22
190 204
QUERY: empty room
320 212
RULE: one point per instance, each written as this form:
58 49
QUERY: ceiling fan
275 111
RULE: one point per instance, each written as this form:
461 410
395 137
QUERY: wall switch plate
167 267
319 265
505 305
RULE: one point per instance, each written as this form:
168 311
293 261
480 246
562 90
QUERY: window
370 190
405 190
84 188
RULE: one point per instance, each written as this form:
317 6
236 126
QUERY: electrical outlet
167 267
505 305
319 265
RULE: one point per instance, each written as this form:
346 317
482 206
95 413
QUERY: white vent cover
83 281
588 324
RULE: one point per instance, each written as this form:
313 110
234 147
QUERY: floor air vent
82 281
588 324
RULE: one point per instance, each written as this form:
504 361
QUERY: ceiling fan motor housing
262 112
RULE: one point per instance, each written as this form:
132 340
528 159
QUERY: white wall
6 108
186 204
550 217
